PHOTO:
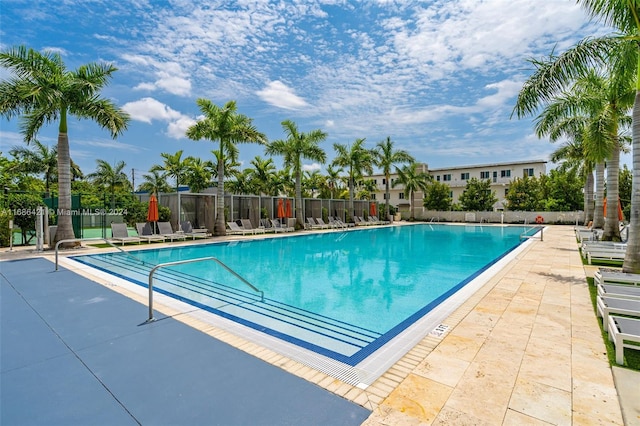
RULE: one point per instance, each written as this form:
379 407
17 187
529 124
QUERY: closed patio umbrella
280 208
288 209
152 212
372 209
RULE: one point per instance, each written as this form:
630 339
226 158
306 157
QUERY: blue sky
439 77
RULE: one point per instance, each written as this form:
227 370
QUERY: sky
439 77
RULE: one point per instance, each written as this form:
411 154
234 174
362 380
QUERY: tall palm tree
619 51
386 158
571 157
40 160
357 160
173 166
413 181
41 90
154 182
110 178
294 149
228 127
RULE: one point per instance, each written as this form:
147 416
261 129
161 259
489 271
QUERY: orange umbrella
152 212
620 214
372 209
288 209
280 208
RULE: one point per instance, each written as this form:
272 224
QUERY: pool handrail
79 240
199 259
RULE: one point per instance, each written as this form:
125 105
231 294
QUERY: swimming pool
339 294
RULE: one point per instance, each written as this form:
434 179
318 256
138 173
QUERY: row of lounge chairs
145 232
371 220
618 304
593 249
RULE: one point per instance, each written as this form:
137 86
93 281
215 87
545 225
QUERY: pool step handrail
80 240
524 235
199 259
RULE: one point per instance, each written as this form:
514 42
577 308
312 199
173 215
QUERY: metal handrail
524 235
200 259
75 240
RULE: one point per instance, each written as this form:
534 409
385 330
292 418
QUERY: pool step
242 305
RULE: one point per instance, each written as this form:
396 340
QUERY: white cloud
311 167
278 94
149 109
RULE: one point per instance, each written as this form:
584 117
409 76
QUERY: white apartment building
500 175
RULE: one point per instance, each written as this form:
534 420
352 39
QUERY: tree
262 174
413 181
626 178
386 158
294 149
198 174
619 51
110 178
357 160
438 197
42 91
40 160
478 196
228 127
525 194
333 179
173 166
154 182
571 158
561 191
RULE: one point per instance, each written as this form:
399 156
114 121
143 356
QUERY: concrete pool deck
525 349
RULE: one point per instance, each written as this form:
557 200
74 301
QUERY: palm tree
228 127
154 182
173 166
386 158
41 91
413 181
298 146
619 51
110 178
39 160
571 156
198 174
357 160
262 173
593 109
333 179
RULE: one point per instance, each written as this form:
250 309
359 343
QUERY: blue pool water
342 294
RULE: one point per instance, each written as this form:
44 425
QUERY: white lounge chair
192 232
145 233
120 234
165 229
624 333
311 224
336 223
620 291
322 223
606 306
246 224
235 229
279 227
607 255
614 277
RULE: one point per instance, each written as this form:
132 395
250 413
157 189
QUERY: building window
505 173
373 196
402 195
527 172
464 176
485 175
384 181
438 178
446 178
506 192
451 194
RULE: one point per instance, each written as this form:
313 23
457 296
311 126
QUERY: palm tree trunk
386 196
588 198
598 215
299 219
612 225
220 227
65 226
351 191
413 213
632 258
